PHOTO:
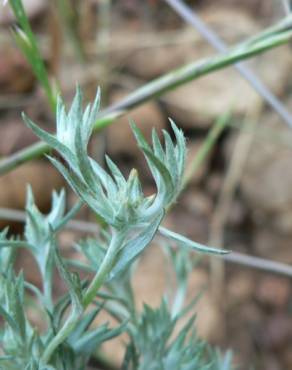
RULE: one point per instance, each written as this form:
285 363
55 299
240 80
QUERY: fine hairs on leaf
71 335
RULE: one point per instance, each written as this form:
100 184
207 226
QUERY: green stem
205 148
47 288
105 267
281 35
27 42
179 299
70 24
90 295
61 336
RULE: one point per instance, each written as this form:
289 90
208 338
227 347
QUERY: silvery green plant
130 221
153 345
22 346
133 219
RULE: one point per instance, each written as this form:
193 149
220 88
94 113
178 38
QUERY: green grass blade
282 34
26 41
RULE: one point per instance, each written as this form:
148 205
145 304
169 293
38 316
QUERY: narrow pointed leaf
185 242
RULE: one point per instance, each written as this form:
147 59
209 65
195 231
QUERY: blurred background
240 198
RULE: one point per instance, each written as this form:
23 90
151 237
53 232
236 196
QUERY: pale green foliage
119 202
7 255
131 221
39 234
154 346
23 346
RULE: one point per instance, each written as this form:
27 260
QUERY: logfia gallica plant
130 221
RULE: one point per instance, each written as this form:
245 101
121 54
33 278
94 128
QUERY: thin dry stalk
224 204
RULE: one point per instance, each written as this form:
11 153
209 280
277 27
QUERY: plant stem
205 148
70 24
264 41
47 289
68 327
97 282
105 267
190 16
179 300
26 41
233 257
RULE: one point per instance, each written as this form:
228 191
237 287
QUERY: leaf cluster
70 336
